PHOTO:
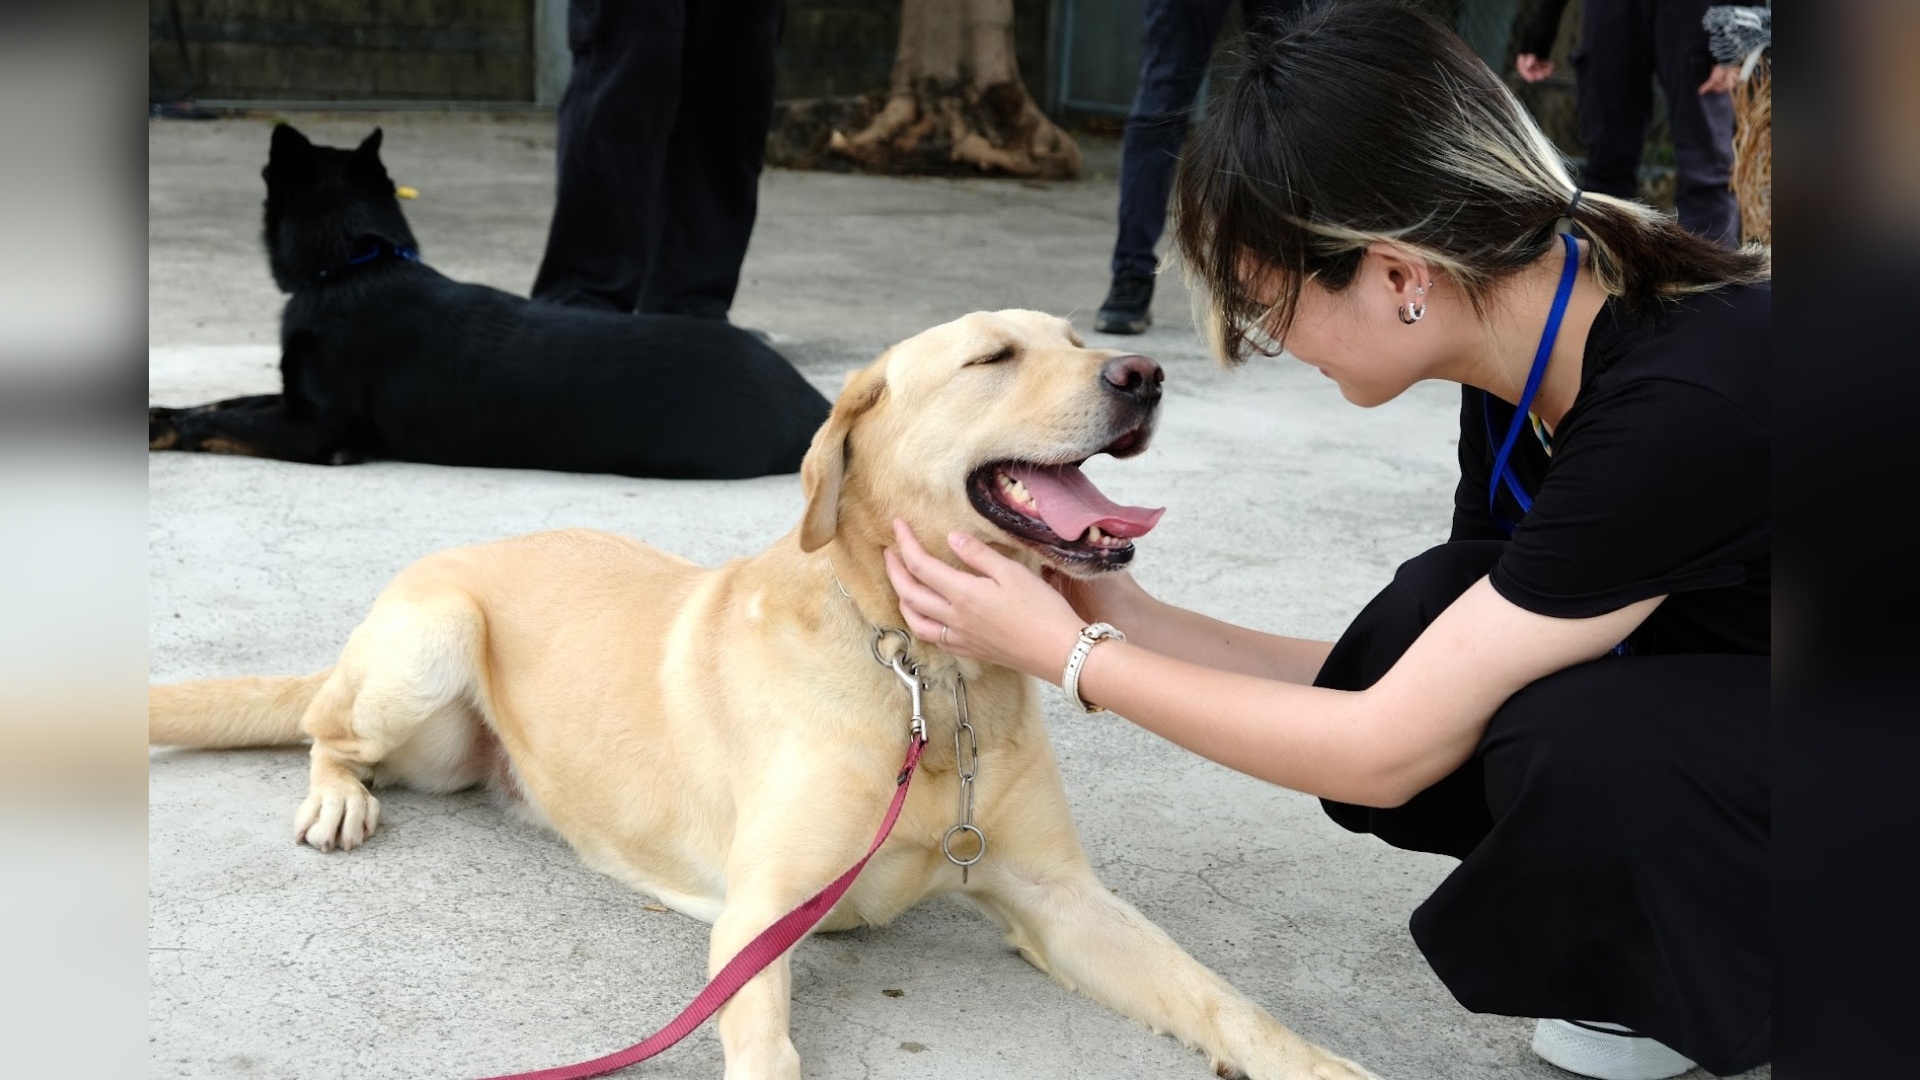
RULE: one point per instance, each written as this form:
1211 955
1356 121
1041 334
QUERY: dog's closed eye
1005 353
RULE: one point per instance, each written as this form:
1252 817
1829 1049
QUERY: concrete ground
460 943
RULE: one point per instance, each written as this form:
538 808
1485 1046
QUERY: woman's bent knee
1421 589
1632 740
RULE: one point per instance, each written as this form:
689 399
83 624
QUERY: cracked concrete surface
460 943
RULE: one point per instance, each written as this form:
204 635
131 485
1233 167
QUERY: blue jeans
1178 41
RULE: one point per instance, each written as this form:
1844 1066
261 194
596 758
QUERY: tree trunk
956 102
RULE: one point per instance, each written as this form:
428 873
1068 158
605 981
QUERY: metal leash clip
908 673
911 676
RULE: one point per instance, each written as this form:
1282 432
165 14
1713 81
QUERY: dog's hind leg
164 421
259 425
402 706
161 414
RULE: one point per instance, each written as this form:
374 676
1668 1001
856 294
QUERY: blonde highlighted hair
1368 121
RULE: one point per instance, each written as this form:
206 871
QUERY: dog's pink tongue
1069 503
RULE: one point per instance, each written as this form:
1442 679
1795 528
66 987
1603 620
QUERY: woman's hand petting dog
1003 614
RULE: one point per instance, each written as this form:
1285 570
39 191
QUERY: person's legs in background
1177 41
709 192
614 123
1701 125
1613 79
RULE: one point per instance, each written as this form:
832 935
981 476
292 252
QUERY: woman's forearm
1307 738
1379 746
1198 639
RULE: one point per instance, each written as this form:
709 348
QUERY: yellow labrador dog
725 740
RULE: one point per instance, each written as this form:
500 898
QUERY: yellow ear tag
406 192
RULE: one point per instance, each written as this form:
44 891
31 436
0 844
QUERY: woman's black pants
1612 829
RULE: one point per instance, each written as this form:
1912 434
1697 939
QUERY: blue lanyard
1502 472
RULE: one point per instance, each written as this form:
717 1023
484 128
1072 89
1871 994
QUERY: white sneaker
1605 1051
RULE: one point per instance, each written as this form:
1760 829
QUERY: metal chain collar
968 765
966 745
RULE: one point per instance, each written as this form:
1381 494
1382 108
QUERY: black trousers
1624 46
1612 828
662 132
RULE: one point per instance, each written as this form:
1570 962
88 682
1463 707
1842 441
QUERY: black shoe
1125 310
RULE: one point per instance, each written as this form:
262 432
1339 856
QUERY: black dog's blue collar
371 250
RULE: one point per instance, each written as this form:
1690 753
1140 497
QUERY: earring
1415 310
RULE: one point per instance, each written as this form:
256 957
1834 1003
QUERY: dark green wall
341 50
481 50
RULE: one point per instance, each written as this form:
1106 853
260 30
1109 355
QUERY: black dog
382 357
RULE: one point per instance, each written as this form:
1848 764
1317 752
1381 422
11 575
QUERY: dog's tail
221 714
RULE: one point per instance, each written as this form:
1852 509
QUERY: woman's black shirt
1659 481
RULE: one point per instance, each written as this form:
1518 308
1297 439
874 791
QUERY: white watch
1089 637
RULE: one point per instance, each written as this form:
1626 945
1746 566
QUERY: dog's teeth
1015 490
1094 535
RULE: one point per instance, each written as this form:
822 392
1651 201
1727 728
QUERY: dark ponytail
1644 256
1368 121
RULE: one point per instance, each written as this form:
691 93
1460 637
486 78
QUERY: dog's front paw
161 432
1301 1062
337 816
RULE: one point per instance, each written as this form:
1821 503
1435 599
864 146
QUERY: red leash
761 951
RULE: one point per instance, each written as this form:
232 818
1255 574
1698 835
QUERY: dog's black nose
1135 376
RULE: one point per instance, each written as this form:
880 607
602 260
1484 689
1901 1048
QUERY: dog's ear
288 144
366 164
825 466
